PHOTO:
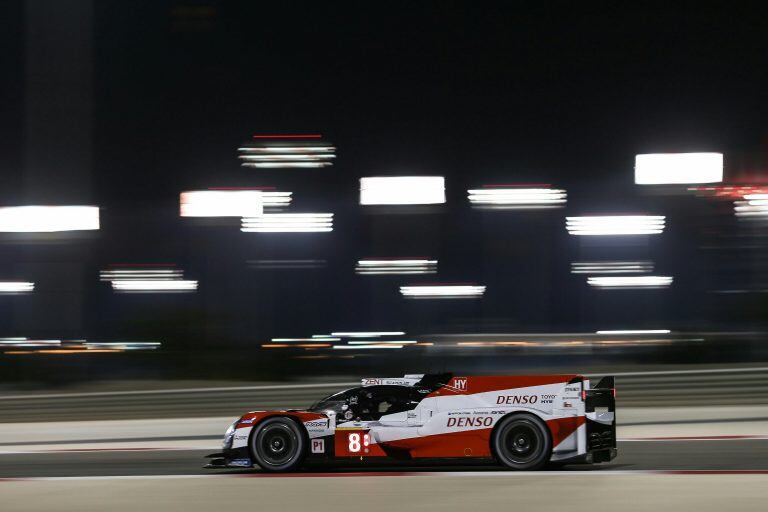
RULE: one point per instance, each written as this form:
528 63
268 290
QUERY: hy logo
459 384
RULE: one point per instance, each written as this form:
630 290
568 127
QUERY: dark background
125 104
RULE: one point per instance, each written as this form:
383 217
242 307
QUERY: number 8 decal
354 443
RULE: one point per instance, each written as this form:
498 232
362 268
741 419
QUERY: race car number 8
354 442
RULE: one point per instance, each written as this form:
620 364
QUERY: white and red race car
523 422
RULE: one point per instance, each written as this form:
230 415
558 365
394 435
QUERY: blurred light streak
276 345
378 342
396 266
26 342
142 274
518 198
366 347
46 219
288 223
611 267
123 345
275 200
442 291
678 168
649 331
615 225
291 340
630 281
16 286
727 192
367 334
221 203
154 285
402 190
753 205
284 151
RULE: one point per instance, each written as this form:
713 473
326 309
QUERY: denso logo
517 399
470 422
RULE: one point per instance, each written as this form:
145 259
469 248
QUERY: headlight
229 435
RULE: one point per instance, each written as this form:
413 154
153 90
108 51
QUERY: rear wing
601 396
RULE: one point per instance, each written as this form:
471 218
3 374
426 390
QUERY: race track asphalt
713 455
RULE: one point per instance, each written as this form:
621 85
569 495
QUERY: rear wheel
522 442
278 444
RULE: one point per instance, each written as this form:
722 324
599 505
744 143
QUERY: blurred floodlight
442 291
122 345
615 225
375 342
611 267
221 203
372 334
154 285
118 274
367 347
291 340
286 151
288 223
45 219
396 266
275 199
630 281
678 168
402 190
518 198
753 205
646 331
16 286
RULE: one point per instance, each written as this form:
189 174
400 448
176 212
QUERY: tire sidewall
545 452
300 438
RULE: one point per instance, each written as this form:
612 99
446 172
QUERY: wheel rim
521 442
277 444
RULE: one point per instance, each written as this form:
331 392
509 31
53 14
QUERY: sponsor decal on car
318 446
470 422
517 399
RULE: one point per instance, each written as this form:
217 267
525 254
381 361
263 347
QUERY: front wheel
522 442
278 445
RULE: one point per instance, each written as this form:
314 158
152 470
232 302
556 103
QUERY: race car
523 422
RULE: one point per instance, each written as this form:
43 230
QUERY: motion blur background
125 106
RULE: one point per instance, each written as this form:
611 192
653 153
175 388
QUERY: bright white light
402 190
16 286
754 206
630 281
366 347
517 198
122 345
46 219
649 331
221 203
275 199
367 334
313 339
287 156
288 223
393 266
377 342
615 225
611 267
147 285
677 168
124 274
442 291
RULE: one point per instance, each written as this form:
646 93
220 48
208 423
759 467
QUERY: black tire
278 444
521 442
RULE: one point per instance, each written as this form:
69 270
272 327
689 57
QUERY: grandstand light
396 266
611 267
615 225
678 168
221 203
47 219
367 334
645 331
154 285
402 190
16 286
517 198
288 223
630 281
442 291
